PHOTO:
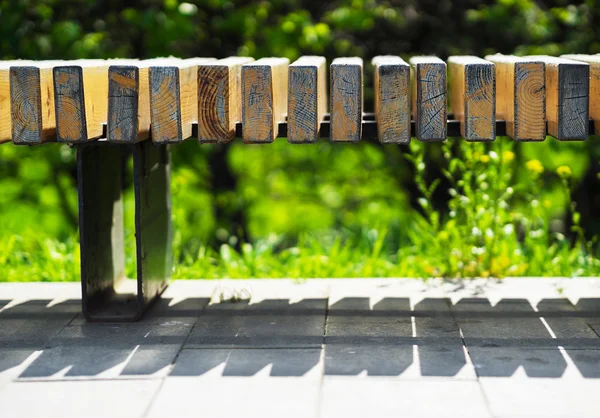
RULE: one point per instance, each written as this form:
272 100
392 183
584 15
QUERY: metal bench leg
154 233
100 175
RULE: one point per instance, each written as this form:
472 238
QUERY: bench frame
100 184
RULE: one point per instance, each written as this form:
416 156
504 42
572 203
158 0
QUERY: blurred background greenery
324 210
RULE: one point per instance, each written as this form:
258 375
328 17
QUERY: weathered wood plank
429 98
128 102
567 94
264 98
473 96
307 98
521 96
392 99
5 108
594 62
33 118
81 99
346 76
174 98
220 99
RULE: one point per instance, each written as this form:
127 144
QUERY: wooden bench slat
220 99
129 102
567 95
429 105
307 98
521 96
346 99
264 98
81 99
174 98
594 99
473 96
5 108
392 99
33 119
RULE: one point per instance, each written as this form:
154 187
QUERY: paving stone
77 399
566 324
26 327
382 339
543 398
249 362
109 350
342 397
267 323
504 361
237 397
511 322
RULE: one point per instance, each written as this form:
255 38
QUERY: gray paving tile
511 322
278 397
77 399
268 323
249 362
109 350
384 340
28 326
348 398
567 325
504 361
543 398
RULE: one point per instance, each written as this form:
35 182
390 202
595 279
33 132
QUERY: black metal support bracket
100 181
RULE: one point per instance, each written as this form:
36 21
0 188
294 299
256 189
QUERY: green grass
343 215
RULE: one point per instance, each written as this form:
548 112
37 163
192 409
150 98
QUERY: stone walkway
322 348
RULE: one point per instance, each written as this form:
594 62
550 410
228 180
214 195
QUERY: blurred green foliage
452 209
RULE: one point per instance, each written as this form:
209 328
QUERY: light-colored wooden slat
429 105
594 62
128 102
264 98
346 76
33 118
220 99
567 94
81 97
521 96
307 98
473 96
5 108
174 98
392 99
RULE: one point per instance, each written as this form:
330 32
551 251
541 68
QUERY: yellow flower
564 171
547 203
535 166
485 158
508 156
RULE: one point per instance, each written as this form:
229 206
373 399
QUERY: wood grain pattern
81 99
5 107
346 80
128 103
473 96
220 99
174 98
429 98
5 116
392 99
307 98
264 98
594 62
567 94
521 96
33 118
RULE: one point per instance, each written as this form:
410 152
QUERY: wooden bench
115 110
